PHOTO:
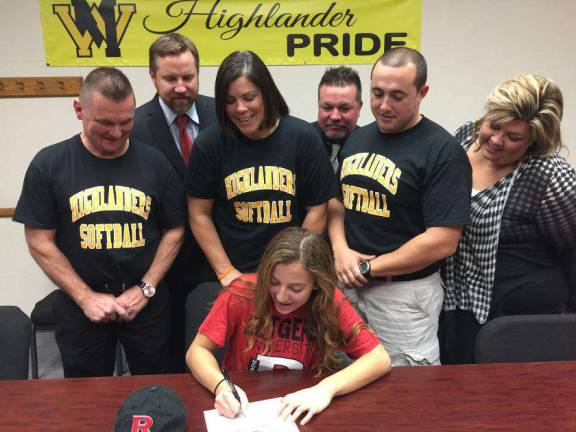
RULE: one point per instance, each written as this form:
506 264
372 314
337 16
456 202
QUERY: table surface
492 397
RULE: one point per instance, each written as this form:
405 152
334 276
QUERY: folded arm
433 245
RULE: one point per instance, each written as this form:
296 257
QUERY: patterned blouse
535 203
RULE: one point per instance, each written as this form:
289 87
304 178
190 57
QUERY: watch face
148 290
364 267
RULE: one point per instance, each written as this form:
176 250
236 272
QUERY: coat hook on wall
39 86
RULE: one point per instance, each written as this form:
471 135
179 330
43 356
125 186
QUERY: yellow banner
288 32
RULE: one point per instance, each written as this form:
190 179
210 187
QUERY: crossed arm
434 244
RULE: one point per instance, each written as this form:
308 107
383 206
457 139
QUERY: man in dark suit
170 122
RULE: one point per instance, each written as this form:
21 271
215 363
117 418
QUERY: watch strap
148 289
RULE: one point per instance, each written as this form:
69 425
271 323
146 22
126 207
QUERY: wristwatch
147 289
364 267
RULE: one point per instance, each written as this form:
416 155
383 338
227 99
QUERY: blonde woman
289 315
519 254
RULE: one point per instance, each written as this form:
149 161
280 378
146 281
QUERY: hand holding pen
230 399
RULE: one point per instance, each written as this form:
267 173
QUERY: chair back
198 304
527 338
15 336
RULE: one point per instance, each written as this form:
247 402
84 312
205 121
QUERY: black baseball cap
152 409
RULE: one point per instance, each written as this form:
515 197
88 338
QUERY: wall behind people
470 46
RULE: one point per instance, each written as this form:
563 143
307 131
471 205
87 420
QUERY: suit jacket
150 127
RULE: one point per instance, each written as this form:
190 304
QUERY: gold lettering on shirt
260 178
114 198
264 212
365 201
111 236
374 166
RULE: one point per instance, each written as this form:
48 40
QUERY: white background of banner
470 46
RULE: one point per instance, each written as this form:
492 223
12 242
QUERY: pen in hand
228 379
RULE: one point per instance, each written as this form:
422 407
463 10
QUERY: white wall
470 45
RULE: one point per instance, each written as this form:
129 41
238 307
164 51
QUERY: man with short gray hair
102 220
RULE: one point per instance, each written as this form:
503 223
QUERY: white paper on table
261 416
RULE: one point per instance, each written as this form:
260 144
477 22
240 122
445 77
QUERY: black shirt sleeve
203 173
447 196
36 206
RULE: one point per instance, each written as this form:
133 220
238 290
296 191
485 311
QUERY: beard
180 104
335 136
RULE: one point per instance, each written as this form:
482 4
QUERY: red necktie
185 141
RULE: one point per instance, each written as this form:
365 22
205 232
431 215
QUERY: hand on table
311 400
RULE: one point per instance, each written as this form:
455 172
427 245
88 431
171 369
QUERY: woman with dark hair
256 172
294 288
518 256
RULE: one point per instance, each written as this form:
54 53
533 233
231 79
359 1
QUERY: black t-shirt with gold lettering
261 186
394 186
108 214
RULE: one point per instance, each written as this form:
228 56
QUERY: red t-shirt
290 348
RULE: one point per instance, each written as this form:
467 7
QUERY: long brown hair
293 244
